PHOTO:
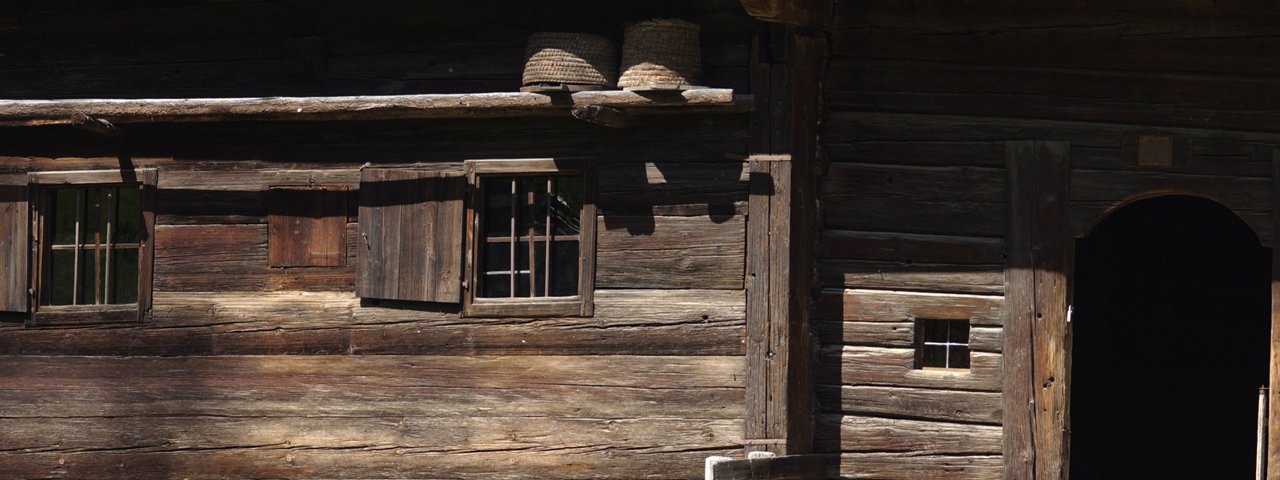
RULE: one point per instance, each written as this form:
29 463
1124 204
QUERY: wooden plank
670 252
1273 402
1049 91
781 349
787 467
459 434
805 13
922 277
895 367
412 235
370 107
664 187
848 433
583 463
1019 451
1051 256
1036 328
911 466
373 385
908 247
675 322
1003 36
939 200
913 403
896 335
895 306
15 251
758 298
306 227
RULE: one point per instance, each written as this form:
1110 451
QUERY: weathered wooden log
383 107
95 125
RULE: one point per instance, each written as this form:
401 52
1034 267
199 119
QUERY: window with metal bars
942 344
531 235
93 244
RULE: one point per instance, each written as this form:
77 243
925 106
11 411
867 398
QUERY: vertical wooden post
1035 368
780 238
1273 404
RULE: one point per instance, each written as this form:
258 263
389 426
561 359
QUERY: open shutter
411 235
15 253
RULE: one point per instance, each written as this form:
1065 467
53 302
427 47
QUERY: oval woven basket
661 53
570 59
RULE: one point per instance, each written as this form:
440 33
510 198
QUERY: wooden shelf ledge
384 107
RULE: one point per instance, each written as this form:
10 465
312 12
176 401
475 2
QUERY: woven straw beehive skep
556 58
661 52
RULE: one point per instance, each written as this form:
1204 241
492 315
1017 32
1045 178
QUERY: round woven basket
570 59
661 53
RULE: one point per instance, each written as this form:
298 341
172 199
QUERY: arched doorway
1170 341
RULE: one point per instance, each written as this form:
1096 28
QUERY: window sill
528 307
84 315
367 107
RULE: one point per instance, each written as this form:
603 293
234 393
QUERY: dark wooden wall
251 371
921 97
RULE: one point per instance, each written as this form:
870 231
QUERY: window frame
580 305
44 183
920 344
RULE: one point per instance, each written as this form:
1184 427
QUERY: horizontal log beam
383 107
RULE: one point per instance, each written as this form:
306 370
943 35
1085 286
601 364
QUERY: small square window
942 344
532 236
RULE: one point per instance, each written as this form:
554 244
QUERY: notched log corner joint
100 126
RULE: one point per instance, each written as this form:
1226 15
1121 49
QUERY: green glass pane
61 280
94 224
564 269
91 262
63 205
533 205
124 276
934 357
497 206
495 267
959 357
128 215
566 205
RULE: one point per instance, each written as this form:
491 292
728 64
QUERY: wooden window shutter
411 235
15 252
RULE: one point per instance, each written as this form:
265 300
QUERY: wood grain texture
847 433
895 306
913 403
306 227
911 466
411 235
670 252
585 463
15 254
676 322
1273 400
26 113
895 367
908 247
947 200
383 386
923 277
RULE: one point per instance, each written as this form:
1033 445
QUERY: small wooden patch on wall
307 226
1155 150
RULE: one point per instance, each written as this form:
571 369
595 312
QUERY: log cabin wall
921 98
244 370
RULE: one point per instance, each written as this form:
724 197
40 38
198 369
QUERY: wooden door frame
1036 349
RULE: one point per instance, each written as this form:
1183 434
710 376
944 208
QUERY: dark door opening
1170 341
